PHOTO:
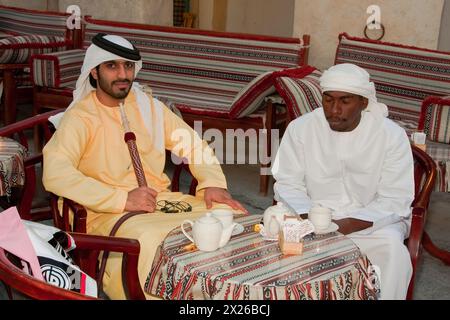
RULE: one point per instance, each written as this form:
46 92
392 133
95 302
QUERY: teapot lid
208 219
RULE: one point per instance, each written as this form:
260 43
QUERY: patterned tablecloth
248 267
12 173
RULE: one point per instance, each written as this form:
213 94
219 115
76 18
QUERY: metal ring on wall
380 37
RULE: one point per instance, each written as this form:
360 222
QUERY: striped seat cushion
301 95
57 70
403 75
202 72
18 21
19 49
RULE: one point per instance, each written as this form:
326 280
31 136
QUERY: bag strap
105 256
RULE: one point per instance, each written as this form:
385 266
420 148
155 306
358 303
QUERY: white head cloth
347 77
94 57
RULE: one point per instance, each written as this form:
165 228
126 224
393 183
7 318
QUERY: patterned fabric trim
19 49
17 21
301 95
435 119
57 70
12 172
403 75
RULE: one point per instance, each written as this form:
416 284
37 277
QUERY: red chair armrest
91 245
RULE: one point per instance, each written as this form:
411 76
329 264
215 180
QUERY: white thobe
365 174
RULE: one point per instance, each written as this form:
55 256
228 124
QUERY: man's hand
221 196
141 199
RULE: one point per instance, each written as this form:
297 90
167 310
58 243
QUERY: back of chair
424 178
72 217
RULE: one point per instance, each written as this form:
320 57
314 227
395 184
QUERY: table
249 267
12 172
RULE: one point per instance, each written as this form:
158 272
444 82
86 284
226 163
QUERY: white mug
224 215
320 217
419 138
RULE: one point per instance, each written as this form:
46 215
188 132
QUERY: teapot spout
226 234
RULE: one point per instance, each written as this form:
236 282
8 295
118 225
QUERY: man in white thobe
349 157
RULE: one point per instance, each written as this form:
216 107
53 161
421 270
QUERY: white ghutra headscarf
107 48
347 77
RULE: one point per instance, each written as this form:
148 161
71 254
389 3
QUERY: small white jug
208 232
273 217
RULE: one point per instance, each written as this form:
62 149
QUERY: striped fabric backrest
58 69
403 76
201 68
435 119
300 94
18 21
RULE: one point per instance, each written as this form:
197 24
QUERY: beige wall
159 12
29 4
444 35
205 14
410 22
269 17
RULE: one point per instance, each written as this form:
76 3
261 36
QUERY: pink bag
46 250
14 238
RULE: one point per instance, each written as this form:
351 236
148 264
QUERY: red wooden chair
22 131
86 257
77 223
424 178
88 246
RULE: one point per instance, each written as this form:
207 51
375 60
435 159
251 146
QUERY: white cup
419 138
320 217
224 215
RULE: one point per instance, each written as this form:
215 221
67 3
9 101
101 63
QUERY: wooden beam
219 21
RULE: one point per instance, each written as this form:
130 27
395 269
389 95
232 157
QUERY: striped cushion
437 123
250 98
20 48
17 21
301 95
201 72
403 75
57 70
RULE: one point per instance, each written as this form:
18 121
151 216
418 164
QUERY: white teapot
208 232
273 217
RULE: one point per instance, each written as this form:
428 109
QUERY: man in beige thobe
88 161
